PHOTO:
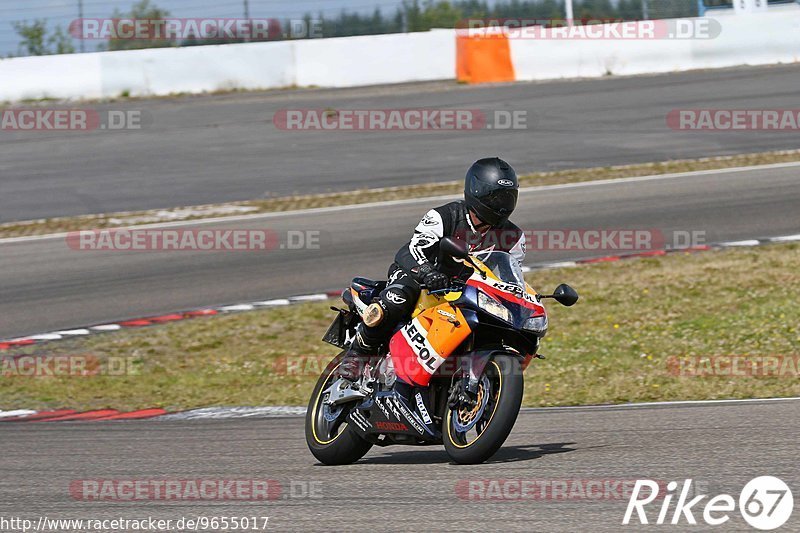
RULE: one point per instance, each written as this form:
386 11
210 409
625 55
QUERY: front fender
473 363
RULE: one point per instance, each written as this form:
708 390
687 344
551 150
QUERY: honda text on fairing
451 375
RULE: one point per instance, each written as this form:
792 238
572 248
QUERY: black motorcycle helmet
491 189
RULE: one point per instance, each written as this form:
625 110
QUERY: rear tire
334 444
505 398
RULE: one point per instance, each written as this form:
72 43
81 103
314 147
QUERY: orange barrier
483 59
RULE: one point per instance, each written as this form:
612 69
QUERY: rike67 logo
765 503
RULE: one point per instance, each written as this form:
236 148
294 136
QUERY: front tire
501 386
331 443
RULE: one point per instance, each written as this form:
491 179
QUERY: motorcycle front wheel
332 442
473 434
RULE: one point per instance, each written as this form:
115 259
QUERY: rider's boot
355 357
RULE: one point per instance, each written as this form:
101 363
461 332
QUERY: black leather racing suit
402 291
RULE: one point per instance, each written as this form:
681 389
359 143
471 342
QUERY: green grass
612 347
287 203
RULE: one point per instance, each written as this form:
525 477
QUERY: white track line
73 332
308 298
237 307
296 411
106 327
662 404
47 337
281 411
16 412
409 201
235 412
787 238
272 303
561 264
750 242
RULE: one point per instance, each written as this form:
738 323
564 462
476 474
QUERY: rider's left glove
432 278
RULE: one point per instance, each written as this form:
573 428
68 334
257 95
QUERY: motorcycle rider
491 189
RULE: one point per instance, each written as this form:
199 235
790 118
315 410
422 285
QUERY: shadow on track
506 454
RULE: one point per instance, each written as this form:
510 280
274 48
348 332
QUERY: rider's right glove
432 278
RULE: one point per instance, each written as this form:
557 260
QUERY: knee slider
373 315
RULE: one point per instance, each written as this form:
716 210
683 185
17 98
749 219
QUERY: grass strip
634 320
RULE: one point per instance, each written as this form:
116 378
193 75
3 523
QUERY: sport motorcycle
452 374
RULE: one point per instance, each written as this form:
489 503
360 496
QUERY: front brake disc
464 419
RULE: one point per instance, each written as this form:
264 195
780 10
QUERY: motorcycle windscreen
422 346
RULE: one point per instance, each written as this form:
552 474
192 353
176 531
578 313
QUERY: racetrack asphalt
218 148
210 149
718 446
45 285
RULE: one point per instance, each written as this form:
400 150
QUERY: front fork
464 392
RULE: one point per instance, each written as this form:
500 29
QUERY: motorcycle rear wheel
503 387
331 443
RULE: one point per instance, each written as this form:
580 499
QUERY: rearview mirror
453 248
564 294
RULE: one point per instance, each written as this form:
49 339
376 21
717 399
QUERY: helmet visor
501 201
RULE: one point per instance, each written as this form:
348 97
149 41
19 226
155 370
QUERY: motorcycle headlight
493 307
537 324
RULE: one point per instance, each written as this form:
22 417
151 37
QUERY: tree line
411 16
